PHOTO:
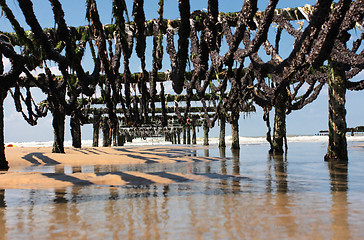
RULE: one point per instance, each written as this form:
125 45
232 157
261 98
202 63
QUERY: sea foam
212 141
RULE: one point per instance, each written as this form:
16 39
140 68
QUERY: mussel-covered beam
83 32
133 78
155 121
168 98
159 110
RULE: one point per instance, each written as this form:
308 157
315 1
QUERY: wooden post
235 131
120 138
105 133
188 134
129 137
75 131
184 135
115 132
175 136
337 148
4 165
179 136
194 138
205 133
173 139
58 130
96 127
279 132
222 143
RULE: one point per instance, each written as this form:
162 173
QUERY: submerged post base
332 157
4 165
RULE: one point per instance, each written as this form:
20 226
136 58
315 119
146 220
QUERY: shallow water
244 194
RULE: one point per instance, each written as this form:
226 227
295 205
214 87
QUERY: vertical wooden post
173 137
194 138
115 132
222 143
205 133
279 132
188 134
235 131
120 138
75 131
58 129
96 127
4 165
105 133
184 135
175 134
179 136
129 137
337 148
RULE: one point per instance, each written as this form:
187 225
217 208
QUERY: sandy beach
179 192
21 158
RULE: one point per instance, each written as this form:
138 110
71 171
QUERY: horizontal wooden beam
168 98
82 32
192 110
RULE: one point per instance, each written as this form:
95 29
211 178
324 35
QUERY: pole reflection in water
236 158
236 170
222 151
280 170
339 209
236 197
2 212
282 201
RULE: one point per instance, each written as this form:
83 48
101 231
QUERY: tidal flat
186 192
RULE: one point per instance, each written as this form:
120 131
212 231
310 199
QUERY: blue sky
307 121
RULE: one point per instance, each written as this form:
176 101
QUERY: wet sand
169 192
21 158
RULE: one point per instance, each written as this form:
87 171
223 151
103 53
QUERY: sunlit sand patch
30 156
42 175
30 181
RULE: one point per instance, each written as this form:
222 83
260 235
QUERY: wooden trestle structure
127 131
223 83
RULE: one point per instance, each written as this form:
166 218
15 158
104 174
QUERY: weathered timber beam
168 98
83 32
157 110
134 78
155 121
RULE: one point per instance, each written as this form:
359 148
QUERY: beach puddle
217 194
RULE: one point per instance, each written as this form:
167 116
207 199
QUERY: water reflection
236 158
339 209
280 169
223 160
234 198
